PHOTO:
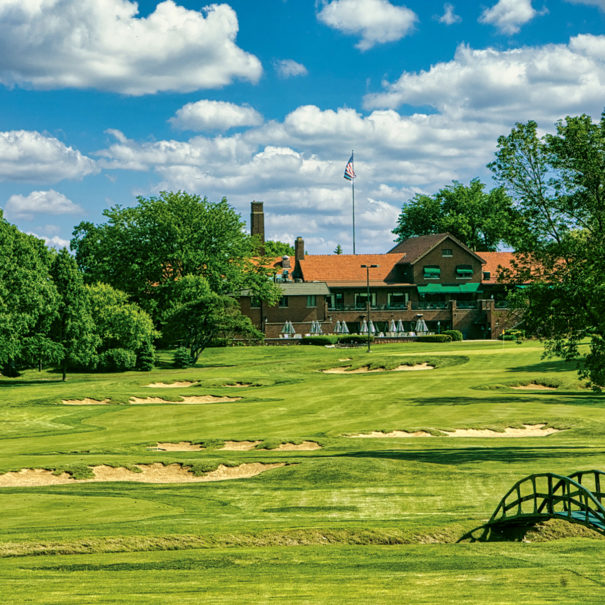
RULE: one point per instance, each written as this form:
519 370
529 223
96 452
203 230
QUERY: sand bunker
528 430
149 473
193 399
171 385
534 386
240 385
240 446
305 446
367 370
86 401
181 446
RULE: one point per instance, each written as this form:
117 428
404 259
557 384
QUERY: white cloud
378 21
296 164
449 17
599 3
495 86
30 156
288 68
52 242
50 44
509 15
40 202
214 115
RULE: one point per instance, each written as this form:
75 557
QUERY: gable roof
493 262
415 248
335 268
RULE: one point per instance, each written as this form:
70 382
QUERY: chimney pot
299 249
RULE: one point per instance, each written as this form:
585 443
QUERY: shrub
117 360
182 358
354 339
319 339
455 334
146 358
434 338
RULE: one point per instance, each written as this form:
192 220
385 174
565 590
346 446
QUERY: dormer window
464 271
447 252
431 272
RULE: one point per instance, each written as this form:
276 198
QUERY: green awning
461 271
432 271
454 289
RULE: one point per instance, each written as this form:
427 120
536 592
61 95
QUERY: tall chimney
257 220
299 249
257 224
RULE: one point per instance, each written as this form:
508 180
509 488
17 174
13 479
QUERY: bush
182 358
354 339
434 338
513 335
117 360
146 359
319 339
455 334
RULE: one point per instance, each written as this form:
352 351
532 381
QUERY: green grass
359 520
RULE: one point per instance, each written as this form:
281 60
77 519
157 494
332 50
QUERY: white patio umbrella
344 329
392 326
364 327
371 327
400 327
318 329
421 326
292 330
337 328
286 328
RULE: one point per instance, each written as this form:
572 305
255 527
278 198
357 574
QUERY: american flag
349 172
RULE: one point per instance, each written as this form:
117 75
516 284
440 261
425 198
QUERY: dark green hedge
455 334
354 339
434 338
319 340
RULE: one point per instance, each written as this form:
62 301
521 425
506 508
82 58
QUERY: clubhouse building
433 277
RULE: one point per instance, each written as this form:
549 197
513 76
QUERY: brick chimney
299 249
257 220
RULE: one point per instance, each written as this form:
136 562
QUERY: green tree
558 183
276 248
199 317
144 250
120 324
28 298
338 249
482 220
73 328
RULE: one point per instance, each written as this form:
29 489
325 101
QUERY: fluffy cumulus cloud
214 115
509 15
296 164
288 68
39 202
494 86
53 241
33 157
449 17
377 21
90 44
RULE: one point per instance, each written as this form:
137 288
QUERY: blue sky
101 101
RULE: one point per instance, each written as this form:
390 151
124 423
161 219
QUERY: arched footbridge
577 498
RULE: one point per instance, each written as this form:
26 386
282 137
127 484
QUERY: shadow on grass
551 365
558 397
454 456
17 382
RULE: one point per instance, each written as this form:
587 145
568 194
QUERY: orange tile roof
493 261
347 267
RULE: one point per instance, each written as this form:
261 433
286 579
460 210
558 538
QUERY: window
431 272
283 301
311 300
255 302
464 272
487 275
447 252
398 300
361 300
337 300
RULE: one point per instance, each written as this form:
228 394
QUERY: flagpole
353 196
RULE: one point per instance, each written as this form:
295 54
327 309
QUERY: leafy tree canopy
482 220
28 298
558 184
144 250
276 248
